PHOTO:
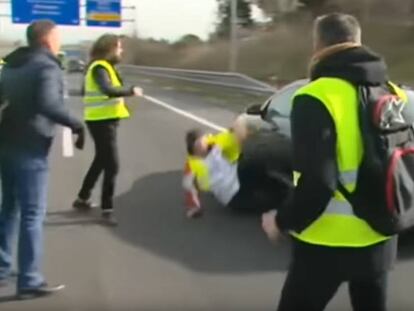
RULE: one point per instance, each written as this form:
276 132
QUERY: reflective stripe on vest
99 106
338 226
338 204
106 102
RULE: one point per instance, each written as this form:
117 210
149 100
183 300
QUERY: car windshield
281 103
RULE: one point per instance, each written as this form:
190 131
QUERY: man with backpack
353 149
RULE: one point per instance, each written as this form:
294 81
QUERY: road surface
156 259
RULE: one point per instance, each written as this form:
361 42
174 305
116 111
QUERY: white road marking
67 143
185 114
67 139
168 88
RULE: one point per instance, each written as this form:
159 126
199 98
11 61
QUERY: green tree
277 7
244 16
189 39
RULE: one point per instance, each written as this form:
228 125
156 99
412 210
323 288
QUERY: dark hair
337 28
104 47
37 30
190 139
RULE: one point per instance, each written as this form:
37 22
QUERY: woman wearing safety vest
104 108
332 245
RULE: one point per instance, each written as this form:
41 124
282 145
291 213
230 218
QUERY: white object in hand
67 143
138 91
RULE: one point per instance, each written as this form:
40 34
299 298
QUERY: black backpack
384 194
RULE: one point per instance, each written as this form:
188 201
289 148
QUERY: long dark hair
191 138
104 47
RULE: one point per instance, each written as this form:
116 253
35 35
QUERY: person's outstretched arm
101 76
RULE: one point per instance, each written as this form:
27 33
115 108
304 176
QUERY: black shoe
109 219
40 291
83 205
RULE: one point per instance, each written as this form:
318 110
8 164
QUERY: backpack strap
397 90
347 195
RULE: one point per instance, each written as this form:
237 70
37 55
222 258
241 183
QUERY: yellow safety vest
338 226
230 148
228 144
97 105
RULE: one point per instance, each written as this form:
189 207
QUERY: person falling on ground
243 181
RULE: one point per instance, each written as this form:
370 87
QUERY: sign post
103 13
62 12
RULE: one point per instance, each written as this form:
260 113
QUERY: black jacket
314 149
101 76
32 88
314 136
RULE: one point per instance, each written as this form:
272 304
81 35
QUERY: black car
269 141
75 65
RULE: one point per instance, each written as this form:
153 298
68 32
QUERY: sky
160 19
172 18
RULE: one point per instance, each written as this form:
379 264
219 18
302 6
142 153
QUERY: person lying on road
259 178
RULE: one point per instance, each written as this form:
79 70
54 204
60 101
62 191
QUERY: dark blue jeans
24 193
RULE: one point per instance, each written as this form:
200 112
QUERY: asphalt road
156 259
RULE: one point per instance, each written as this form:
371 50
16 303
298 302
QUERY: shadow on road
8 298
151 217
71 218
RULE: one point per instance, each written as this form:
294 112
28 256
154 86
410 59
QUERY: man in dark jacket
31 93
319 264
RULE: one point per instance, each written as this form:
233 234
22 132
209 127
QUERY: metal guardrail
224 79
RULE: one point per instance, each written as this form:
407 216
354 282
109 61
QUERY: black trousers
261 191
265 173
310 291
317 272
106 161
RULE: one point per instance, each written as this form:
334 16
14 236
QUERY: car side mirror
255 109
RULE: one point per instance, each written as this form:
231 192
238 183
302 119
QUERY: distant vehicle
62 58
75 65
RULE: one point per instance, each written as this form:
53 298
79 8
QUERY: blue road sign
62 12
103 13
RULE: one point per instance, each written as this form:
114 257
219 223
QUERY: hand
138 91
269 225
80 139
194 212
